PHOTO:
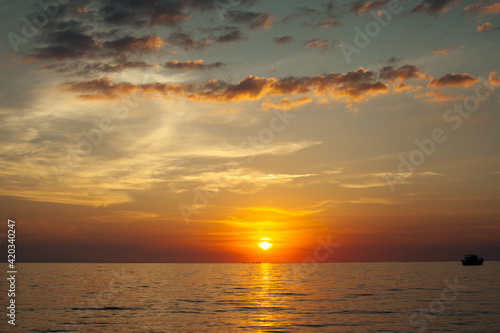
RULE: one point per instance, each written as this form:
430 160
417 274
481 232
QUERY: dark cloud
300 12
326 16
404 72
65 44
163 12
392 61
283 40
88 89
56 53
116 16
145 12
331 9
455 80
251 19
70 44
197 64
186 41
97 32
434 7
119 64
232 36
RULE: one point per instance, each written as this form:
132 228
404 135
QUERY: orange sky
189 133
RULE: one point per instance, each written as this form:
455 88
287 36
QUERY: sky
187 131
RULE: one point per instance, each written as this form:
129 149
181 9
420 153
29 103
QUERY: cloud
485 27
197 64
71 44
454 80
119 64
362 6
146 43
436 96
434 7
402 73
351 108
352 86
232 36
493 81
100 89
75 39
251 87
406 87
251 19
185 41
317 43
323 24
57 53
226 111
146 12
283 40
441 51
287 212
65 44
480 8
285 104
241 180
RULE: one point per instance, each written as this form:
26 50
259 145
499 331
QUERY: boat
472 260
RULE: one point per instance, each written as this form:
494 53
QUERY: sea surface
326 297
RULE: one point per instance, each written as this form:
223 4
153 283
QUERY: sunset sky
187 131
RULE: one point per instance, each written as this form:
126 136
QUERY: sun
265 245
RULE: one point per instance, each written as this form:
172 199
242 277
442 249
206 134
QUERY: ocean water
327 297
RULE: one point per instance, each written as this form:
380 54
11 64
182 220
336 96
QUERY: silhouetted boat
472 260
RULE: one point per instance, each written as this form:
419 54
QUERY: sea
255 297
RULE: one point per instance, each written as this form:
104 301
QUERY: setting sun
265 245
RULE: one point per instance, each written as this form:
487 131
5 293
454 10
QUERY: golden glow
265 245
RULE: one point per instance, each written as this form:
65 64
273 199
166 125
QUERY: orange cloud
352 86
285 104
485 27
403 87
317 43
227 111
251 87
481 9
367 6
406 87
146 43
493 81
436 96
351 108
455 80
441 51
